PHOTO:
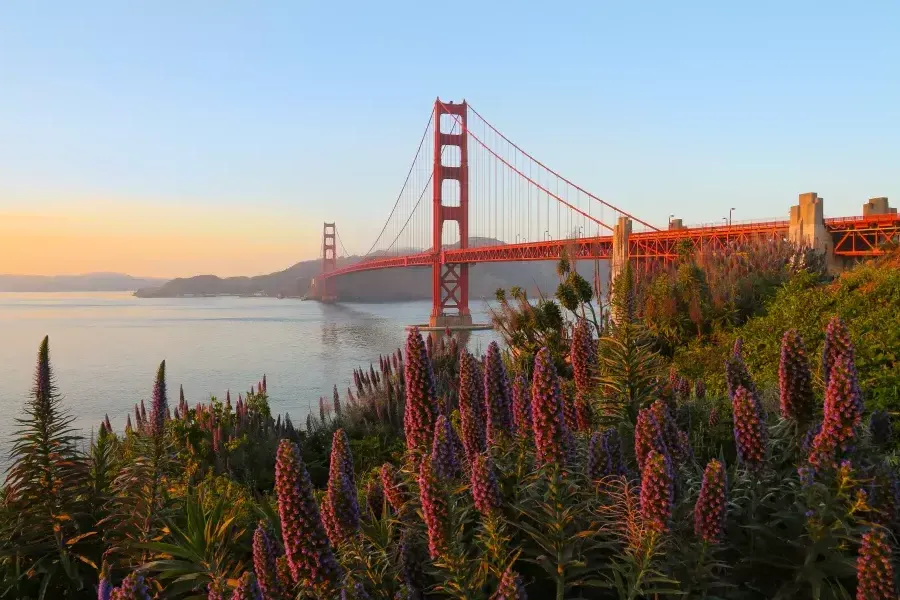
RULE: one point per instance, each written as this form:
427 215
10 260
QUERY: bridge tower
329 262
450 281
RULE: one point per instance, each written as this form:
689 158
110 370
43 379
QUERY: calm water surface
105 348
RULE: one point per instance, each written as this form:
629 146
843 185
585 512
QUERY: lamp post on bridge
729 216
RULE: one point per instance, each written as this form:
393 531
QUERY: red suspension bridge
471 195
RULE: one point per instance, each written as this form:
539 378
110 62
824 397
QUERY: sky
178 138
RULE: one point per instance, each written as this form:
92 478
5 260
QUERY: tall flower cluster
737 375
340 510
434 508
421 402
471 408
391 490
550 431
837 343
605 454
306 545
498 397
522 407
750 434
657 492
375 497
485 489
265 563
709 512
795 379
443 450
842 414
675 441
413 558
511 587
874 571
648 437
700 389
160 403
583 354
247 588
133 588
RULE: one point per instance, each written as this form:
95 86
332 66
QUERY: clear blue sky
180 119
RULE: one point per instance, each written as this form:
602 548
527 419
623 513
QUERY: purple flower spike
391 490
485 489
157 424
375 497
795 380
443 450
605 455
247 588
133 588
336 403
750 433
435 509
648 437
104 589
215 591
700 389
583 356
675 439
308 551
498 397
874 571
657 492
709 512
737 375
511 587
340 509
421 402
837 343
265 563
842 415
550 431
522 408
471 409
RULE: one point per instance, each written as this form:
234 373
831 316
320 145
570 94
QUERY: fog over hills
88 282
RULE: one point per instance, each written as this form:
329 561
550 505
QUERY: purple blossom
133 588
265 563
657 491
605 455
583 354
485 489
569 412
837 343
308 551
511 587
709 512
498 397
795 379
736 375
471 415
675 441
874 571
648 437
336 403
247 588
421 411
435 509
550 431
157 424
340 509
443 450
215 591
842 414
104 589
391 489
750 433
522 417
375 497
700 389
413 558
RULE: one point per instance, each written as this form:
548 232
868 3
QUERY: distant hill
89 282
376 286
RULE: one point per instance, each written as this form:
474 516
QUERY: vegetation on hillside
727 435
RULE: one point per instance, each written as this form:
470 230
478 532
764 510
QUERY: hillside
89 282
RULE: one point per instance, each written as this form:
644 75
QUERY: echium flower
569 413
700 389
736 375
215 590
709 512
247 588
671 435
443 450
160 403
550 431
421 402
471 416
412 558
391 489
498 397
795 379
605 454
750 434
511 587
837 343
842 415
308 551
434 508
522 407
340 509
874 571
375 497
485 489
133 588
583 356
336 403
265 563
657 491
648 437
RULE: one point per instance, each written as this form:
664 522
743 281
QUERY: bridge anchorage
473 196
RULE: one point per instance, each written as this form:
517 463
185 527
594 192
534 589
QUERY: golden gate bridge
471 195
